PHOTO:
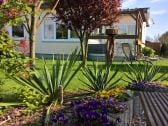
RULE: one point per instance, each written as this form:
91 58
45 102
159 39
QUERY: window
18 31
131 29
73 34
122 29
127 29
95 32
48 29
55 31
61 32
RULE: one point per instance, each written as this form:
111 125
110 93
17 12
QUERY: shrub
141 74
49 83
120 93
33 100
99 78
164 49
148 51
11 60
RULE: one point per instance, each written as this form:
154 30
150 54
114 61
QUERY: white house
53 39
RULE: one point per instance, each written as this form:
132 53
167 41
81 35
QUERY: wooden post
110 44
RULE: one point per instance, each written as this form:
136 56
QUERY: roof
145 13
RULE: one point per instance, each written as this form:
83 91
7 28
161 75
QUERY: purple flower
104 118
86 115
121 106
59 118
94 115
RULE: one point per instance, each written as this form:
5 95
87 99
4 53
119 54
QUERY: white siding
143 32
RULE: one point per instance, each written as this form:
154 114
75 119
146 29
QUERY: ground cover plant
90 111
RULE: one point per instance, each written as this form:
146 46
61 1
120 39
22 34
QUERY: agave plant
143 72
48 83
99 78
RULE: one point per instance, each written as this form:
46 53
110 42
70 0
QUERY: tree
83 16
164 37
29 12
164 40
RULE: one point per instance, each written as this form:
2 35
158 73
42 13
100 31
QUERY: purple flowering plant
91 112
149 86
143 76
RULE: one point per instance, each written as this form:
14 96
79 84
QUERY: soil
15 116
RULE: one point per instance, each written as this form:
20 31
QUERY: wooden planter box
125 117
111 32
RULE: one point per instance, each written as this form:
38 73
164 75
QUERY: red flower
23 46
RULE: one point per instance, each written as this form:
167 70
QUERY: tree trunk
32 35
84 48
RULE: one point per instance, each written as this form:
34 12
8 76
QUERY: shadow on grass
13 97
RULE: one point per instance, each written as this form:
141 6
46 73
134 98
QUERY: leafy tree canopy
83 16
164 38
88 14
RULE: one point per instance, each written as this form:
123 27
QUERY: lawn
9 91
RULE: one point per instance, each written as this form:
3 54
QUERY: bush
49 83
11 60
164 49
33 100
99 78
143 73
120 93
148 51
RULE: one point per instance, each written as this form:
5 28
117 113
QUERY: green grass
9 91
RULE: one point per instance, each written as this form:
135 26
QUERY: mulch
15 116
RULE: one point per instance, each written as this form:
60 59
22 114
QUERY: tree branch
54 7
47 13
27 26
39 5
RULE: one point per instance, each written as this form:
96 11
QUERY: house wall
54 46
143 32
124 20
64 46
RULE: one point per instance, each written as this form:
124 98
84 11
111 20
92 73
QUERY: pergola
140 15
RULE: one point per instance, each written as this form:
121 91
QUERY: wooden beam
117 37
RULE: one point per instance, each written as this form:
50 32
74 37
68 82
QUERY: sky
158 12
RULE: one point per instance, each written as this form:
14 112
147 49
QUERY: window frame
69 39
10 28
126 28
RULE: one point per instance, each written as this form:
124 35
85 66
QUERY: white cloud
128 3
154 1
159 12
